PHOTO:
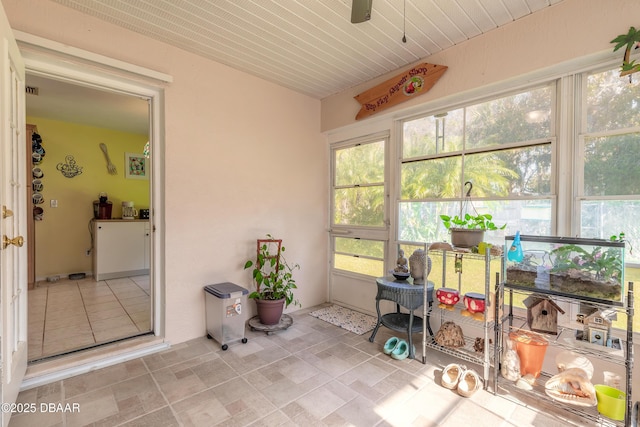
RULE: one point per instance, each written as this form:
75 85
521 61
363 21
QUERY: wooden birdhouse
599 319
542 314
597 326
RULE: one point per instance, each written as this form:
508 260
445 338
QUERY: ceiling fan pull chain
404 21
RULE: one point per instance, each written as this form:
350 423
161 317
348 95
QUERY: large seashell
449 335
568 359
571 386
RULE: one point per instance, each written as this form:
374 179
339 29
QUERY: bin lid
224 290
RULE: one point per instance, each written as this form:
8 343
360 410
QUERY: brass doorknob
16 241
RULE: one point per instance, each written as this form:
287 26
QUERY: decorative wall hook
628 41
70 168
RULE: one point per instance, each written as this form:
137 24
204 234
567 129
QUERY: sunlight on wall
62 237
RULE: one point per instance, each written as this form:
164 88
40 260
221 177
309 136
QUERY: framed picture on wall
136 166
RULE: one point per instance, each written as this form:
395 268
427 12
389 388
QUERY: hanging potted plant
468 231
274 280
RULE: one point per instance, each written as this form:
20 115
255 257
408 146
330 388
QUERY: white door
359 220
13 256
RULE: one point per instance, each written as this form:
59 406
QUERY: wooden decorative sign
411 83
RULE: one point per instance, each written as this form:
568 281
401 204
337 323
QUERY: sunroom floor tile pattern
313 374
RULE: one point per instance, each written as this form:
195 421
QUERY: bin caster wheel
225 347
244 340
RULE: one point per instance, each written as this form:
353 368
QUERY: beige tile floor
313 374
71 314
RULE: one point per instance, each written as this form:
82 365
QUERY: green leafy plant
471 222
599 263
621 238
273 275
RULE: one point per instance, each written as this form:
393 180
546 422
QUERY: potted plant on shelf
274 280
468 231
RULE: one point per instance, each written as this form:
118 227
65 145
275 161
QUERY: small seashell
523 384
530 379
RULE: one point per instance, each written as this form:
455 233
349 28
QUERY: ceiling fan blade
360 11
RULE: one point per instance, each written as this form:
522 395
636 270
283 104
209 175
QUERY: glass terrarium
588 269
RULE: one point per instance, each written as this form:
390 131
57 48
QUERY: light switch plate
54 203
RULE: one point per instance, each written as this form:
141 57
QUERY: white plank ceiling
310 46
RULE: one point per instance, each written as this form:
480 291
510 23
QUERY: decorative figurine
515 251
419 266
448 297
402 265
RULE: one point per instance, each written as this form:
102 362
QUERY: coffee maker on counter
102 207
128 211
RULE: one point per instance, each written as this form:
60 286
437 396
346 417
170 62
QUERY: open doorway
91 143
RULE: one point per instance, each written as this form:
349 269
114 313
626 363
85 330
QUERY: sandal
402 350
390 345
469 383
451 375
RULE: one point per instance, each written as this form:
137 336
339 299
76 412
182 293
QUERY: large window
608 156
608 165
503 147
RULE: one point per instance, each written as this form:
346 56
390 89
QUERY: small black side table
404 293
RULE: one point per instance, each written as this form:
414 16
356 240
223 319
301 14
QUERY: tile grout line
153 378
84 306
122 305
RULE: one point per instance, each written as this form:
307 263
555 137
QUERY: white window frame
552 140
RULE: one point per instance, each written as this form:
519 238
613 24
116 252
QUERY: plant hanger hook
467 200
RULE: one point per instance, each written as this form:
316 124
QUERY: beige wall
566 31
62 237
243 158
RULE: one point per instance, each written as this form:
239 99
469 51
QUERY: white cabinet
121 248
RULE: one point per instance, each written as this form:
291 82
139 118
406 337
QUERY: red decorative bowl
474 302
448 296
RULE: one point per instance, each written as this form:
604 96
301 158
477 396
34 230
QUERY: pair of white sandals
458 377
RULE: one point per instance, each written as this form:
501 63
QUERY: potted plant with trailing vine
468 231
273 277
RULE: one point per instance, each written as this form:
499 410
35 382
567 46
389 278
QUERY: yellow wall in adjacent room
62 237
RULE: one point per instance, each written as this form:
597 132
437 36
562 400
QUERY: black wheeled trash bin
225 305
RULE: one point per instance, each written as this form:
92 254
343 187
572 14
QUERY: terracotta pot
531 349
270 311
